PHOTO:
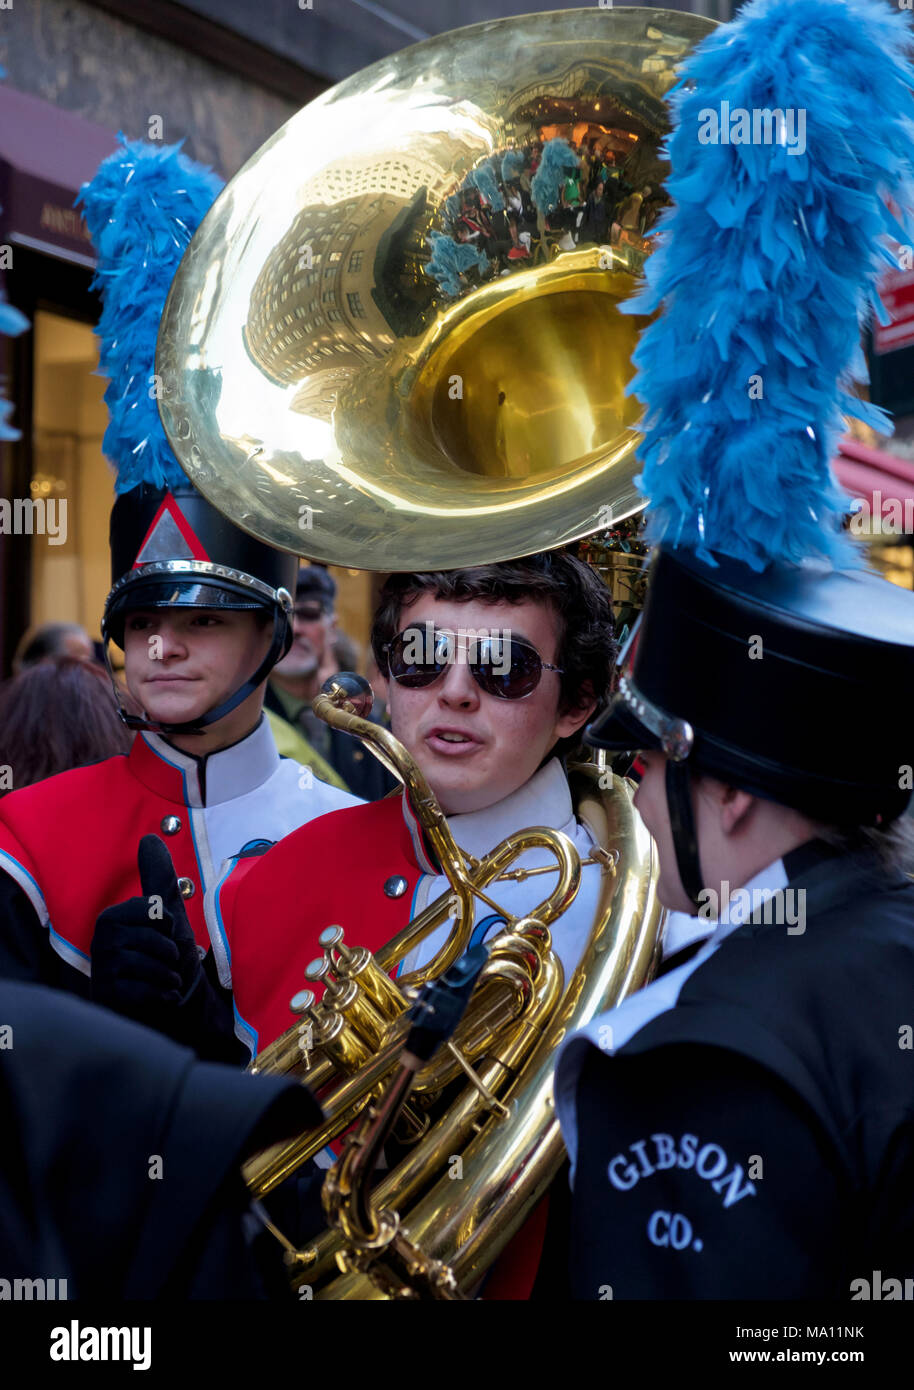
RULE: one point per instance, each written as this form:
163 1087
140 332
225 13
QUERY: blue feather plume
766 269
513 165
449 260
142 208
483 178
557 162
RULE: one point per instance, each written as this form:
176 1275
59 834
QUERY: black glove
145 962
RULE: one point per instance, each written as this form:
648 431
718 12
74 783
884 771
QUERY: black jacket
121 1154
755 1137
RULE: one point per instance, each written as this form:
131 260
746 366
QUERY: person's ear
570 720
735 807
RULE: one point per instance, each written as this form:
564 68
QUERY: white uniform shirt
241 794
544 800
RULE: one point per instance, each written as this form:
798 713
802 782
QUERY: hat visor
619 731
176 593
184 593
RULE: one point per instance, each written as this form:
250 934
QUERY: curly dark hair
581 602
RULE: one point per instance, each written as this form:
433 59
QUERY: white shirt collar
226 774
545 799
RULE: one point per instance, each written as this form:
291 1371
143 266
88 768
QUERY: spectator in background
298 678
52 639
59 713
596 221
344 653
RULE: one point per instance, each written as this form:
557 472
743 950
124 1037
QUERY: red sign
896 290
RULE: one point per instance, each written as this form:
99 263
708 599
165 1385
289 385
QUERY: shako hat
793 684
169 547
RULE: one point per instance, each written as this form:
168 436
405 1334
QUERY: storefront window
69 574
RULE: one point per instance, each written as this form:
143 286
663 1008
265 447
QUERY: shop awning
46 153
873 476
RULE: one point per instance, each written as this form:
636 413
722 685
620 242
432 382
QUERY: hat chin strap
682 824
281 630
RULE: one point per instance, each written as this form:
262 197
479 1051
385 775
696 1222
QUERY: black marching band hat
768 654
169 547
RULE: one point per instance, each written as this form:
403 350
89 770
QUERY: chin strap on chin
682 824
197 726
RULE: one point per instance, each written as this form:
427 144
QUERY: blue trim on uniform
13 860
244 1031
217 908
190 810
65 950
69 944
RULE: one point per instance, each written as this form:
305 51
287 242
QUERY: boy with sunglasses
493 671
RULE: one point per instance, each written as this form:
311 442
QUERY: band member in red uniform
202 613
487 719
742 1128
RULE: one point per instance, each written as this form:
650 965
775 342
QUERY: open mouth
452 742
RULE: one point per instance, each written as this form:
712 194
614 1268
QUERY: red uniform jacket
70 842
333 870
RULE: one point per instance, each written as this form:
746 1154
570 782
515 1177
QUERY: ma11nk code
766 1334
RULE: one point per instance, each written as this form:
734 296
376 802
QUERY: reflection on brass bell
186 887
396 886
171 825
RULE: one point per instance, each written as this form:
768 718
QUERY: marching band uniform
68 846
370 870
741 1127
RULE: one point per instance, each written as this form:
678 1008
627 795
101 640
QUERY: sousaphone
395 343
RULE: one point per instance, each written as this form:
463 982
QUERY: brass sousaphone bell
395 344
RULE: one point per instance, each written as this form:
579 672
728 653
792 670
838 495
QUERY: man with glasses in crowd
297 679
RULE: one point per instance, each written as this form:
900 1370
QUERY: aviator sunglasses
501 665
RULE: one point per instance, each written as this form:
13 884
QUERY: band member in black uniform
744 1127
